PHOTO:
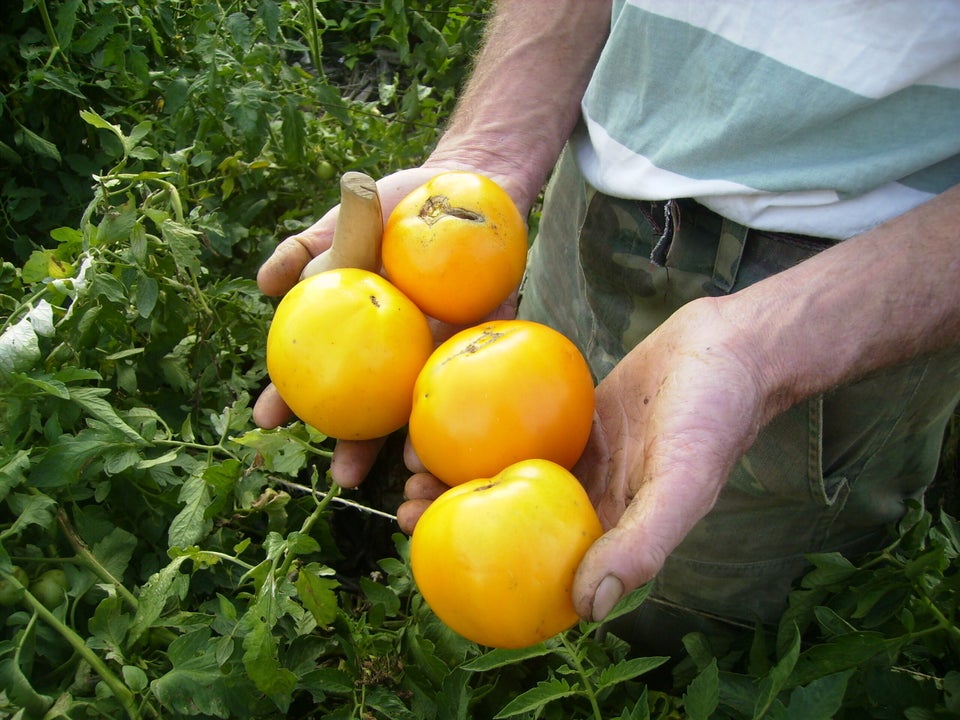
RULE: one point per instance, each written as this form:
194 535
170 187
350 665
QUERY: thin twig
338 499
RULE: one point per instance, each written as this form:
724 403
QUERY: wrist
519 176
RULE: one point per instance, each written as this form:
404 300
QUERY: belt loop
733 237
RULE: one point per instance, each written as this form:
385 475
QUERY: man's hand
672 419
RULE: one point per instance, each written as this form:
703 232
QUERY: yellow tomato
495 559
344 350
498 393
456 246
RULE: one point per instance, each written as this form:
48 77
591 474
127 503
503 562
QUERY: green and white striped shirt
816 117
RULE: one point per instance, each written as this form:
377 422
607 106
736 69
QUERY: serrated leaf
93 118
820 700
108 628
776 680
282 450
627 670
159 588
379 698
191 524
499 657
328 680
17 687
630 602
115 550
92 400
12 469
117 224
841 653
545 692
184 244
196 685
263 667
26 137
62 462
453 700
317 595
34 509
702 695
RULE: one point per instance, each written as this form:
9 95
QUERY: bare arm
523 99
878 299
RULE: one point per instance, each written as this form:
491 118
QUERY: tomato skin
498 393
344 350
456 246
51 588
495 559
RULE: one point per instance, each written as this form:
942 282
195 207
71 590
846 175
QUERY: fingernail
609 592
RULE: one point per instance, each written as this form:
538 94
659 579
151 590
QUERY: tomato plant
495 558
344 350
498 393
457 246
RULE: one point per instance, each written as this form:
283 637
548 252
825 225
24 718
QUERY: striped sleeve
824 118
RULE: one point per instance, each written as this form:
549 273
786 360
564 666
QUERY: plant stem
91 561
574 659
313 37
121 691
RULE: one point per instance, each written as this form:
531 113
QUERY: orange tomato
344 350
495 559
456 246
498 393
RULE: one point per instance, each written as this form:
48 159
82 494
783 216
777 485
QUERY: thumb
633 551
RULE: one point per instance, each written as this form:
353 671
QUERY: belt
670 216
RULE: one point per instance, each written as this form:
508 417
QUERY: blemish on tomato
374 301
438 207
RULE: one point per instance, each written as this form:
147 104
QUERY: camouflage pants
827 475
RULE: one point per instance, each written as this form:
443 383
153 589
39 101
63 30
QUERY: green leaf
17 687
702 695
162 586
12 467
841 653
191 524
115 550
499 658
92 400
317 594
108 628
263 667
534 699
629 602
41 146
627 670
34 509
117 225
293 129
184 244
195 685
776 680
820 700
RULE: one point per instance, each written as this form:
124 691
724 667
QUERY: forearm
523 98
873 301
